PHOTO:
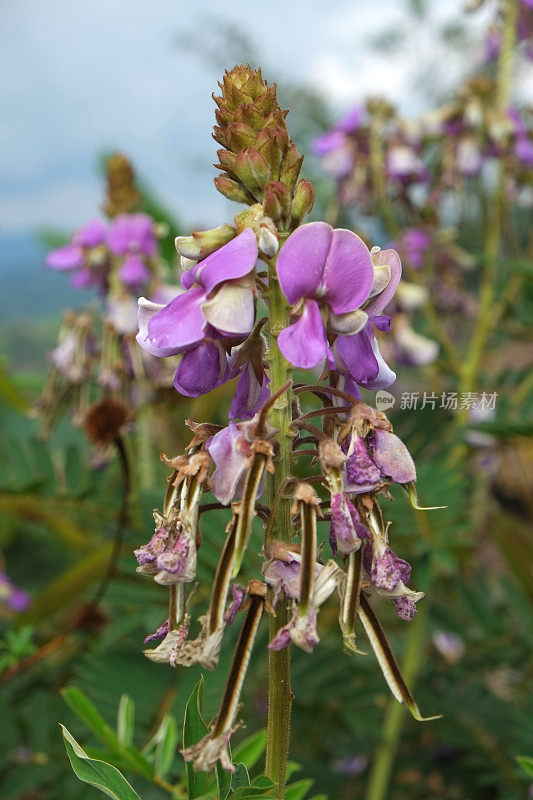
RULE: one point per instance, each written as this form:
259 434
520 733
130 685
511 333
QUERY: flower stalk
279 664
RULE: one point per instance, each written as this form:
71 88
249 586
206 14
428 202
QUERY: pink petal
91 235
146 310
380 301
179 324
230 464
349 272
392 457
65 258
304 343
234 260
301 261
133 271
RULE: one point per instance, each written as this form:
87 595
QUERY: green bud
276 200
239 136
302 201
232 190
290 167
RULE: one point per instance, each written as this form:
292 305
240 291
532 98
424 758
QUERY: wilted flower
170 555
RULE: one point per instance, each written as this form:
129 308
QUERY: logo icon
384 400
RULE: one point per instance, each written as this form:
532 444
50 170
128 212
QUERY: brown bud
122 195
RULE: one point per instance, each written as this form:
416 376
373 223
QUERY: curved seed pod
387 660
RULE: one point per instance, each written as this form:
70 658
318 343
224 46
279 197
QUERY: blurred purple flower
12 596
75 256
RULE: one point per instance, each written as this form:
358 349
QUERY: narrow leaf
194 729
167 745
297 791
89 714
526 762
99 774
126 720
387 660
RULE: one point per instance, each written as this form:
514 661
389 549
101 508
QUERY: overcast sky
81 77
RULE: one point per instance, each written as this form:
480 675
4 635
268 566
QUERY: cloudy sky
83 77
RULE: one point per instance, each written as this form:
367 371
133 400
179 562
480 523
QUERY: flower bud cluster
258 159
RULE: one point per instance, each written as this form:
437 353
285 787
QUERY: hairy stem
279 687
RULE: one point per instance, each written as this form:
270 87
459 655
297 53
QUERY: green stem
279 687
395 715
496 219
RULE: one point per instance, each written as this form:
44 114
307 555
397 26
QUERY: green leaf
526 762
240 777
250 751
125 720
194 729
102 776
298 790
166 746
89 714
223 781
263 782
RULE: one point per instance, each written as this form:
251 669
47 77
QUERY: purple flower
388 570
357 355
231 452
170 555
237 594
131 237
132 233
404 164
282 573
414 244
10 595
250 394
449 645
75 256
322 270
382 456
523 150
160 633
301 629
336 148
405 608
219 302
347 530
